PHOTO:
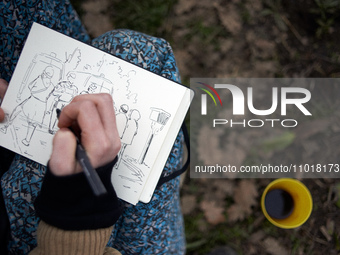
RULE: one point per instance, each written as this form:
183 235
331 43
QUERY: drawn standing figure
64 92
40 90
122 119
129 134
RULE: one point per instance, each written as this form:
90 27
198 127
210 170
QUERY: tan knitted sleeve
111 251
55 241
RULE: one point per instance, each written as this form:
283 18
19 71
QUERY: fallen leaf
324 231
230 18
245 196
184 6
274 247
252 250
209 149
257 236
212 212
235 213
328 230
330 226
224 186
265 68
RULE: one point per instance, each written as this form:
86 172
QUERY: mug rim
278 222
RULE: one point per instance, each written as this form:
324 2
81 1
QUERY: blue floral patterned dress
153 228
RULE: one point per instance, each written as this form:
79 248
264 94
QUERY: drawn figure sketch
129 133
122 119
63 93
40 90
97 84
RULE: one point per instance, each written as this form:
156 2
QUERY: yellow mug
297 198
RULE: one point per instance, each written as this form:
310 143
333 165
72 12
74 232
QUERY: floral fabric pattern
153 228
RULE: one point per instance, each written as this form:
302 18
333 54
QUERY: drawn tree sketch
125 86
129 92
73 60
40 91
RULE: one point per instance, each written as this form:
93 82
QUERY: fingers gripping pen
90 173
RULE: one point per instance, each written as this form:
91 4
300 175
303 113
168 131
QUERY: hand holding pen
92 117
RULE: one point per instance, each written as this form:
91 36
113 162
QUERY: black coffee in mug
279 203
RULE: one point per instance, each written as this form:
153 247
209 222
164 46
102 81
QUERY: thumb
62 161
2 115
3 88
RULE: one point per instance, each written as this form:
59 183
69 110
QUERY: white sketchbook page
166 147
53 68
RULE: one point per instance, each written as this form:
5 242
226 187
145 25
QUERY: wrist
68 202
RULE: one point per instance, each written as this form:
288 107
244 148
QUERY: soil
218 38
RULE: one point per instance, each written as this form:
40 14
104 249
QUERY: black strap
167 178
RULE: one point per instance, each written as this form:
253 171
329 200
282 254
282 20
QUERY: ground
244 38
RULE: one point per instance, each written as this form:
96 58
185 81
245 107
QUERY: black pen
90 173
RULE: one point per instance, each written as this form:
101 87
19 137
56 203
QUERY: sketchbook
53 68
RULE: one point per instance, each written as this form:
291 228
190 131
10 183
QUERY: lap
156 227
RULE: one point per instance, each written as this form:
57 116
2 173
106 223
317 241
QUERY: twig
294 31
319 240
